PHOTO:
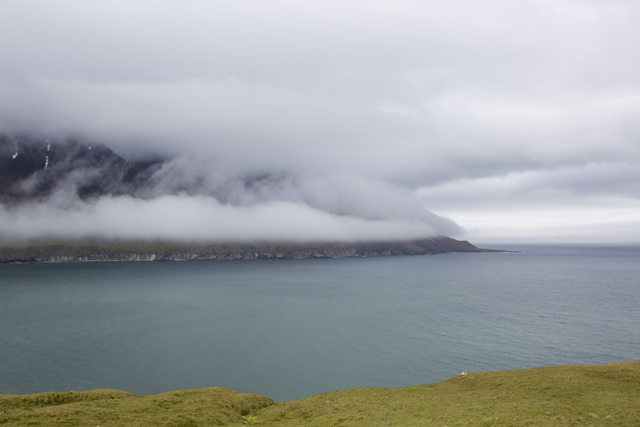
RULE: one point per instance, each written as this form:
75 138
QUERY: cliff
108 251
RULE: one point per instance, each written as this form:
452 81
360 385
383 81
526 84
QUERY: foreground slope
550 396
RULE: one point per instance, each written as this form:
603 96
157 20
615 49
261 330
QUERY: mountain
32 168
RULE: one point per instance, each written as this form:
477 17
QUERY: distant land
548 396
143 251
32 169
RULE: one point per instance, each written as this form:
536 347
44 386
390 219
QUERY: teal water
289 329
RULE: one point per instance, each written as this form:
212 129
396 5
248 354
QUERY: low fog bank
200 218
58 189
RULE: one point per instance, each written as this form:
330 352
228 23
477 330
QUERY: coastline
84 251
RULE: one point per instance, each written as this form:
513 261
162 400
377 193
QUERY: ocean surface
290 329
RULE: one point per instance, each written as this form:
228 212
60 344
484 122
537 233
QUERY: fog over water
491 121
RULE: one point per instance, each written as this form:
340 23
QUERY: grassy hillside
550 396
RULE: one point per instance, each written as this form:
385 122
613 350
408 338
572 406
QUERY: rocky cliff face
74 252
32 168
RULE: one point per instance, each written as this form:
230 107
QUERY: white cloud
591 223
513 104
198 218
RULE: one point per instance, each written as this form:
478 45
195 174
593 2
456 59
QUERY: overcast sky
492 121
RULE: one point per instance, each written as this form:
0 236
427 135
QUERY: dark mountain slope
34 168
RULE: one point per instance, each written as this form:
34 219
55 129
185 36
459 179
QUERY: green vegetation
550 396
204 407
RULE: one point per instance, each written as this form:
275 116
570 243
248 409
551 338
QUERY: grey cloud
341 106
561 187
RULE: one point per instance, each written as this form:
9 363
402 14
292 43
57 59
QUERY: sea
290 329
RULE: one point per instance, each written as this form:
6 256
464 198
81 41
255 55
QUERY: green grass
550 396
204 407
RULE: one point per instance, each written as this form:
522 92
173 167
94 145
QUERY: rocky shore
109 251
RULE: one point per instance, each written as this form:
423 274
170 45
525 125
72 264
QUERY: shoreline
74 251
